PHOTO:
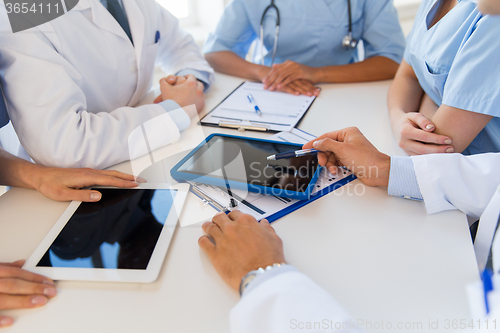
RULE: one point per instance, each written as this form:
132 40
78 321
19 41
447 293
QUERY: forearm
372 69
230 63
17 172
460 125
405 93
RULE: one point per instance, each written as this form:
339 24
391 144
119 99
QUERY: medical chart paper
271 207
280 111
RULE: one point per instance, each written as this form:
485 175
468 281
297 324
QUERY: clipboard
280 111
267 206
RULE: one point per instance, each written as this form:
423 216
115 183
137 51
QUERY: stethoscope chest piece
349 42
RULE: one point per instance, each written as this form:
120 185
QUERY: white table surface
383 258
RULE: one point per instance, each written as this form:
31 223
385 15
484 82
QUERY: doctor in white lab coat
279 298
72 84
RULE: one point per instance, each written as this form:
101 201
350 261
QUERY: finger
265 223
411 133
114 173
17 263
419 148
181 80
92 178
158 100
235 215
213 230
13 286
206 245
421 121
191 78
272 76
14 272
21 301
291 77
327 145
6 321
289 90
299 88
307 86
200 86
279 79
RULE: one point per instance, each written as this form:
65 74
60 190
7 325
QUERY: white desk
383 258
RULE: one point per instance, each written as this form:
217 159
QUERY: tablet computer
122 238
236 162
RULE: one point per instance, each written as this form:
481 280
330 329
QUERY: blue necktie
118 13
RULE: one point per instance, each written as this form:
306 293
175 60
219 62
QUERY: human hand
174 80
413 132
350 148
287 72
186 93
299 87
20 289
65 184
241 245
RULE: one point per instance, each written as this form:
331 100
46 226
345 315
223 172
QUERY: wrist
384 167
30 174
261 72
250 276
316 75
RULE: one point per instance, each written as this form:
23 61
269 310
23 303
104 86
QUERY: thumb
423 122
158 99
171 79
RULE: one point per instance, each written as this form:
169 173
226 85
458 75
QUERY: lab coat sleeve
178 50
55 128
455 181
382 34
234 31
289 302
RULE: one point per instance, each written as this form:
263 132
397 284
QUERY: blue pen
292 154
252 101
157 36
487 286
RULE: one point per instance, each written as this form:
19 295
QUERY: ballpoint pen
292 154
252 101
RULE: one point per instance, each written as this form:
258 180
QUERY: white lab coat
290 299
449 182
71 84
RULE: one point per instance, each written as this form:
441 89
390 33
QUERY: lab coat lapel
137 27
101 17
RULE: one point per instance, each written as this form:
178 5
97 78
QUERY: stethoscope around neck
348 42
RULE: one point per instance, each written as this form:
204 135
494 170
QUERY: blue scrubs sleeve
472 82
234 31
382 34
4 117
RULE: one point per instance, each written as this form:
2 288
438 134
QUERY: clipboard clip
242 127
207 199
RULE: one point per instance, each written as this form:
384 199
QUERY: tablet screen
118 232
241 160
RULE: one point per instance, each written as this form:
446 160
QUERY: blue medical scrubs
311 31
4 117
457 63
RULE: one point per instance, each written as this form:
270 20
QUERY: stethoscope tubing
352 43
